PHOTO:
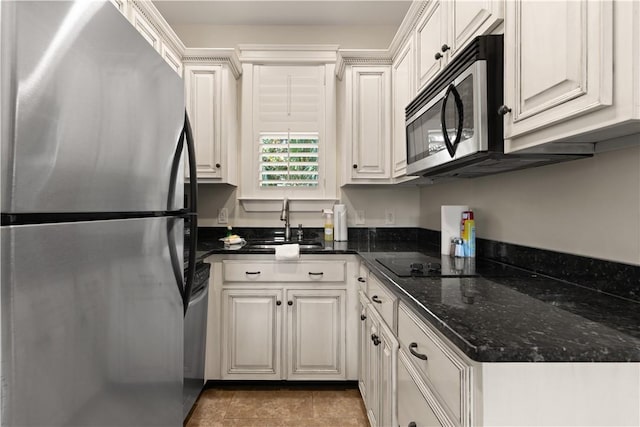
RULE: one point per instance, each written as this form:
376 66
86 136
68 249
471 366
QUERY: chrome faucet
284 216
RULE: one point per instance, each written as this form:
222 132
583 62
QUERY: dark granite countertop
506 314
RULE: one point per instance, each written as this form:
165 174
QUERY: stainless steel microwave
454 127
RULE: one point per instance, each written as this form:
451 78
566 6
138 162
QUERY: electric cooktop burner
418 265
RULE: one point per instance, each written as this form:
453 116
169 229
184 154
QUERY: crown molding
225 56
408 24
288 53
361 57
157 21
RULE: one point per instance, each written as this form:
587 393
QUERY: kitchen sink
272 244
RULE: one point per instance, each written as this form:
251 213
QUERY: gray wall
587 207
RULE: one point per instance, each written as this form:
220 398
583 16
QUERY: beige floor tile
346 406
212 405
326 422
270 404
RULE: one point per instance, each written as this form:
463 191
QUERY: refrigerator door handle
192 212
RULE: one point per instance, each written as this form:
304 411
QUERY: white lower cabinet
306 326
273 320
252 330
378 358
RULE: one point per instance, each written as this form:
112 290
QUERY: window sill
295 205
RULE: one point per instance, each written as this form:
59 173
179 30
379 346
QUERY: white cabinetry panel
316 328
371 144
251 338
561 72
202 84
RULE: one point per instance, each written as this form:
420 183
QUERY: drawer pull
251 273
375 339
363 317
412 424
361 280
415 353
315 274
376 299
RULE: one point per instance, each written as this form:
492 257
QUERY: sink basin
272 244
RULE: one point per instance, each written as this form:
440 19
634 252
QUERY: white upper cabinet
211 100
368 123
560 79
561 72
430 36
403 80
172 58
445 27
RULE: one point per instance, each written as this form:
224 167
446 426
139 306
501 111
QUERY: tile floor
278 406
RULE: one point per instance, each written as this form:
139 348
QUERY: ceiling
268 12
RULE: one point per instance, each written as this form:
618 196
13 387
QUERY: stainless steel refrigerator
92 299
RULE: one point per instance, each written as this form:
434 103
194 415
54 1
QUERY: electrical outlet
359 217
223 216
389 217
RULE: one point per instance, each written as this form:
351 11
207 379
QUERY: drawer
445 373
383 300
272 271
413 407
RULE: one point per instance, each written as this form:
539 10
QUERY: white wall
588 207
225 36
404 201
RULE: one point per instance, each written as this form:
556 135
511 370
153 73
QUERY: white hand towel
286 252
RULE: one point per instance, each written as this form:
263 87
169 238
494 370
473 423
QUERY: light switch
223 216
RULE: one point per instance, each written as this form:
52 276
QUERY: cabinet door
146 29
403 92
251 343
430 36
558 62
371 137
316 334
202 83
387 352
470 18
373 367
363 347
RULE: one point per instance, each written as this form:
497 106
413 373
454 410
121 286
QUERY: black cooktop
418 265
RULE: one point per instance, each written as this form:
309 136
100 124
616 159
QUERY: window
288 160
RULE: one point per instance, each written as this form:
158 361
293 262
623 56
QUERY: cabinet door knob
289 302
355 166
445 47
375 339
412 424
503 110
415 353
363 317
278 302
361 280
438 55
376 299
218 165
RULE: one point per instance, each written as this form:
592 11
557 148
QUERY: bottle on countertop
327 215
229 231
468 233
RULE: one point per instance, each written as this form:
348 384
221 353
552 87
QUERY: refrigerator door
91 114
92 324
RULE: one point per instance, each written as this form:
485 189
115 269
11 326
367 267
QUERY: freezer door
91 114
92 324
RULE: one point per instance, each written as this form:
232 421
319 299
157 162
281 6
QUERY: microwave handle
451 146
